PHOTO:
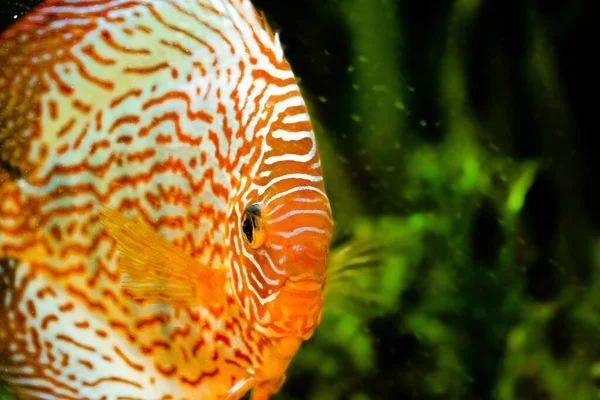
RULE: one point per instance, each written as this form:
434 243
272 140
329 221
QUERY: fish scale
178 113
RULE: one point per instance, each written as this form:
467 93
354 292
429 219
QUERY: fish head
284 228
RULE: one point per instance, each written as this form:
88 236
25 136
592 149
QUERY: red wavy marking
124 120
109 41
155 344
35 340
63 88
199 65
198 380
93 305
86 364
99 121
81 106
57 274
66 307
75 169
208 88
82 325
270 79
85 74
71 228
227 131
70 340
184 353
131 364
176 46
70 248
131 93
62 149
106 292
125 139
239 355
31 308
46 290
101 333
163 139
112 379
103 144
166 372
260 344
172 222
81 136
233 362
231 326
91 52
50 356
102 269
174 28
141 156
65 360
174 195
221 338
43 153
144 28
179 331
66 128
209 8
206 24
177 95
117 325
192 314
235 97
159 318
153 200
173 117
146 70
221 158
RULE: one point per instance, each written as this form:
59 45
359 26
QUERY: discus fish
164 225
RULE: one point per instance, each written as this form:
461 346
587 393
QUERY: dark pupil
248 228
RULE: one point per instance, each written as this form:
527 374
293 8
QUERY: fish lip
305 282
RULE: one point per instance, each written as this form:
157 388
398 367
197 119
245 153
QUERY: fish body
181 119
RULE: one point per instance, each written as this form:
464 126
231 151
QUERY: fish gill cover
457 137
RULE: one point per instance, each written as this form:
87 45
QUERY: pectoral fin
157 271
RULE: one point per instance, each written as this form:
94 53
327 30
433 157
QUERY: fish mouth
305 283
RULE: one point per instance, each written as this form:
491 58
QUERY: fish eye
252 226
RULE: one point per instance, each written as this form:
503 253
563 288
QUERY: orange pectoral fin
157 271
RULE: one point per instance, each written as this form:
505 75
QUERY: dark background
502 271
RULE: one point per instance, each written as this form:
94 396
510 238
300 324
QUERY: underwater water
458 136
